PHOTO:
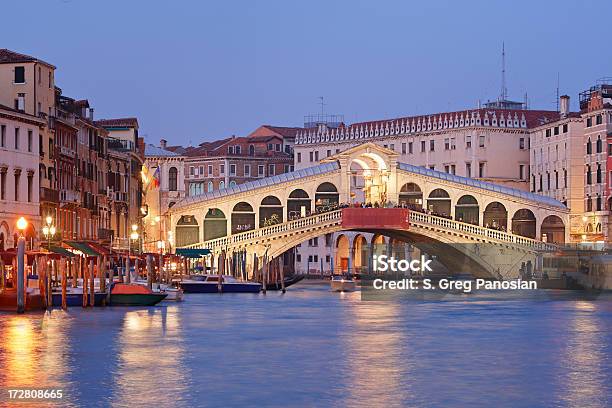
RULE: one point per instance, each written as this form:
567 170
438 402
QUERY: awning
61 251
83 247
99 248
192 252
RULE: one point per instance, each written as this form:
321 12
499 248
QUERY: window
210 186
260 170
271 171
598 120
433 167
556 131
432 145
541 183
17 177
598 176
409 147
564 178
210 172
327 258
565 128
337 151
533 184
481 141
270 146
30 177
50 82
589 146
468 142
403 148
589 122
20 75
299 157
29 140
3 184
588 174
191 170
422 146
447 168
392 146
2 135
522 143
453 169
556 179
316 156
548 134
16 138
232 169
522 171
311 156
452 143
599 145
481 169
237 148
468 169
589 204
251 150
201 171
247 169
598 203
298 257
548 181
278 147
230 149
196 171
222 169
328 152
172 179
447 144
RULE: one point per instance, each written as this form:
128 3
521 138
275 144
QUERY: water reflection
150 357
374 345
583 378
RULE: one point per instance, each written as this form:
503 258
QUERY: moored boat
8 300
173 292
292 280
340 283
210 284
131 294
74 297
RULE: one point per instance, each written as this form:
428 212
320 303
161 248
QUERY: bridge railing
418 217
270 230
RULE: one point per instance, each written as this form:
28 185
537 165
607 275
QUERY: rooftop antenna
557 100
322 103
504 91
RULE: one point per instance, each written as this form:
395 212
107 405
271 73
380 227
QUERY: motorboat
341 283
210 284
174 292
74 297
132 294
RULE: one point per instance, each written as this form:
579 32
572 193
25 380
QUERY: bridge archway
270 208
243 217
553 230
326 196
298 204
187 230
342 254
215 224
439 202
360 253
495 216
411 196
524 223
467 209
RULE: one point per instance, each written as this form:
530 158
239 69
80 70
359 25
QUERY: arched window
589 177
599 146
589 146
221 185
598 203
232 183
598 173
210 186
172 177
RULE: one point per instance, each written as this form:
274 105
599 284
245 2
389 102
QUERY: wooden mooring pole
64 284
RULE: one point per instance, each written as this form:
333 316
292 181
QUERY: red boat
8 301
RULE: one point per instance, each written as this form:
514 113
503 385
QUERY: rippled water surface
311 347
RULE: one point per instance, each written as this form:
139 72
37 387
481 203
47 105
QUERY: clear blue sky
194 71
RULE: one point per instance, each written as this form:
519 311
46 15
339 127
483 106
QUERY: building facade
19 175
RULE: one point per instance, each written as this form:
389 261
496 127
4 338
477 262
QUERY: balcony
68 152
49 195
70 196
105 234
121 145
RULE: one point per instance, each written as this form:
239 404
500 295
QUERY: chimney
91 115
163 143
564 104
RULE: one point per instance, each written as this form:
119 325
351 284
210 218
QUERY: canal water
311 347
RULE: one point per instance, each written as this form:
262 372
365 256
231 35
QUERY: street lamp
22 224
49 231
133 237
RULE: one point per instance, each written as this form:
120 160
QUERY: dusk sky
194 71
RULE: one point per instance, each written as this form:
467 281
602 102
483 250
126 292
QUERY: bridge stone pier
492 226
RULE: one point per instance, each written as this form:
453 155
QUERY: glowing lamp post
133 237
49 231
22 224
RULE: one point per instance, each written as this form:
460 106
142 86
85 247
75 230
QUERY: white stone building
19 175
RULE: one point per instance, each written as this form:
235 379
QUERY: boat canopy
83 247
193 252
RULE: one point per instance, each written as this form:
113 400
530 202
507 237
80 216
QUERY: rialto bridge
493 226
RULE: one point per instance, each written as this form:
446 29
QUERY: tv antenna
504 90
